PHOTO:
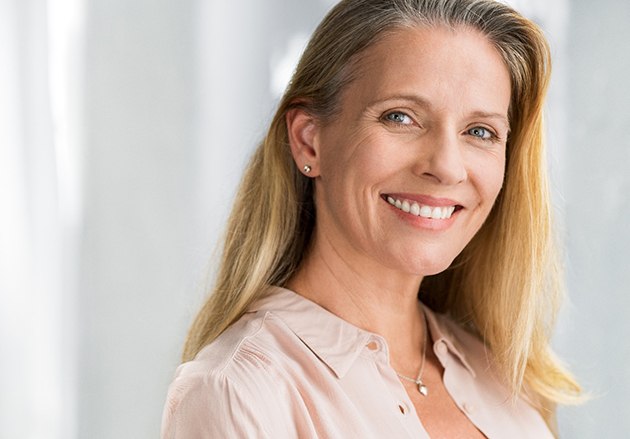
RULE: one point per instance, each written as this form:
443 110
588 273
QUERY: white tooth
405 206
445 213
391 201
450 211
437 213
425 212
398 204
415 209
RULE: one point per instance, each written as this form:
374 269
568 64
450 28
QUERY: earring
306 169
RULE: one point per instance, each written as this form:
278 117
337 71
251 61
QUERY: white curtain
36 230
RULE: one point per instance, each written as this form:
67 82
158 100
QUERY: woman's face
410 167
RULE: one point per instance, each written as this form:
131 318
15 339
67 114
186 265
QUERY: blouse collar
335 341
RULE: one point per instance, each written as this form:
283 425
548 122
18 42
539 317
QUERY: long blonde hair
505 285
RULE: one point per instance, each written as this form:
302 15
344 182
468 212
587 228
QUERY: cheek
354 158
489 177
495 185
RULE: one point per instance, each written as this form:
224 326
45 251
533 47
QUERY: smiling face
409 168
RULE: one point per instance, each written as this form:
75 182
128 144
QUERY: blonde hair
505 285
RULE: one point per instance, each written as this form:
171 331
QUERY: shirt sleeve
209 406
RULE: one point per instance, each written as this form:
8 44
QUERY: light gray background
177 94
174 96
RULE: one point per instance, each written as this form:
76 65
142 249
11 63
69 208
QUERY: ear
303 131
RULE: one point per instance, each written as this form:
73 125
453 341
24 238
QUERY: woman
405 162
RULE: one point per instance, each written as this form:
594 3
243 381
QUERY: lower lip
424 223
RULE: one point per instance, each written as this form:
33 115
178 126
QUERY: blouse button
469 408
441 348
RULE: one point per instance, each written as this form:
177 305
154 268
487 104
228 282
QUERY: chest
438 413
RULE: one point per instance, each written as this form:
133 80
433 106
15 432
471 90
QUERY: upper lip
426 200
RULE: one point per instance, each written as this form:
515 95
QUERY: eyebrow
491 115
425 103
418 100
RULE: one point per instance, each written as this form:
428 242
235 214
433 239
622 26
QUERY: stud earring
306 169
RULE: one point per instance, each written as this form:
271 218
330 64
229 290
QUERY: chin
428 266
435 269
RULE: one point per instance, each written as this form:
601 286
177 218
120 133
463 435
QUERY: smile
422 210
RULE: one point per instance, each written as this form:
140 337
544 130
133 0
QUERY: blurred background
124 128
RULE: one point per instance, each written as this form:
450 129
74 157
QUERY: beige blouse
290 369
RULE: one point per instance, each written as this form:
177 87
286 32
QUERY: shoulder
228 389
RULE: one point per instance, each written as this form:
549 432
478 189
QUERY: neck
367 295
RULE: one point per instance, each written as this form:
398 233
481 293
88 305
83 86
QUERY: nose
441 158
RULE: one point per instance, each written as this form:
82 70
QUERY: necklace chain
422 388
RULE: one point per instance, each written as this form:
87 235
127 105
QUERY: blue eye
399 118
481 132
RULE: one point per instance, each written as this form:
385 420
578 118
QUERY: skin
426 119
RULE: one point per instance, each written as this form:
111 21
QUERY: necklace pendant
424 391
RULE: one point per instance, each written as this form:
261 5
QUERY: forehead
447 67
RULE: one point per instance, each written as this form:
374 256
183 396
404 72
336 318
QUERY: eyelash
494 138
386 118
